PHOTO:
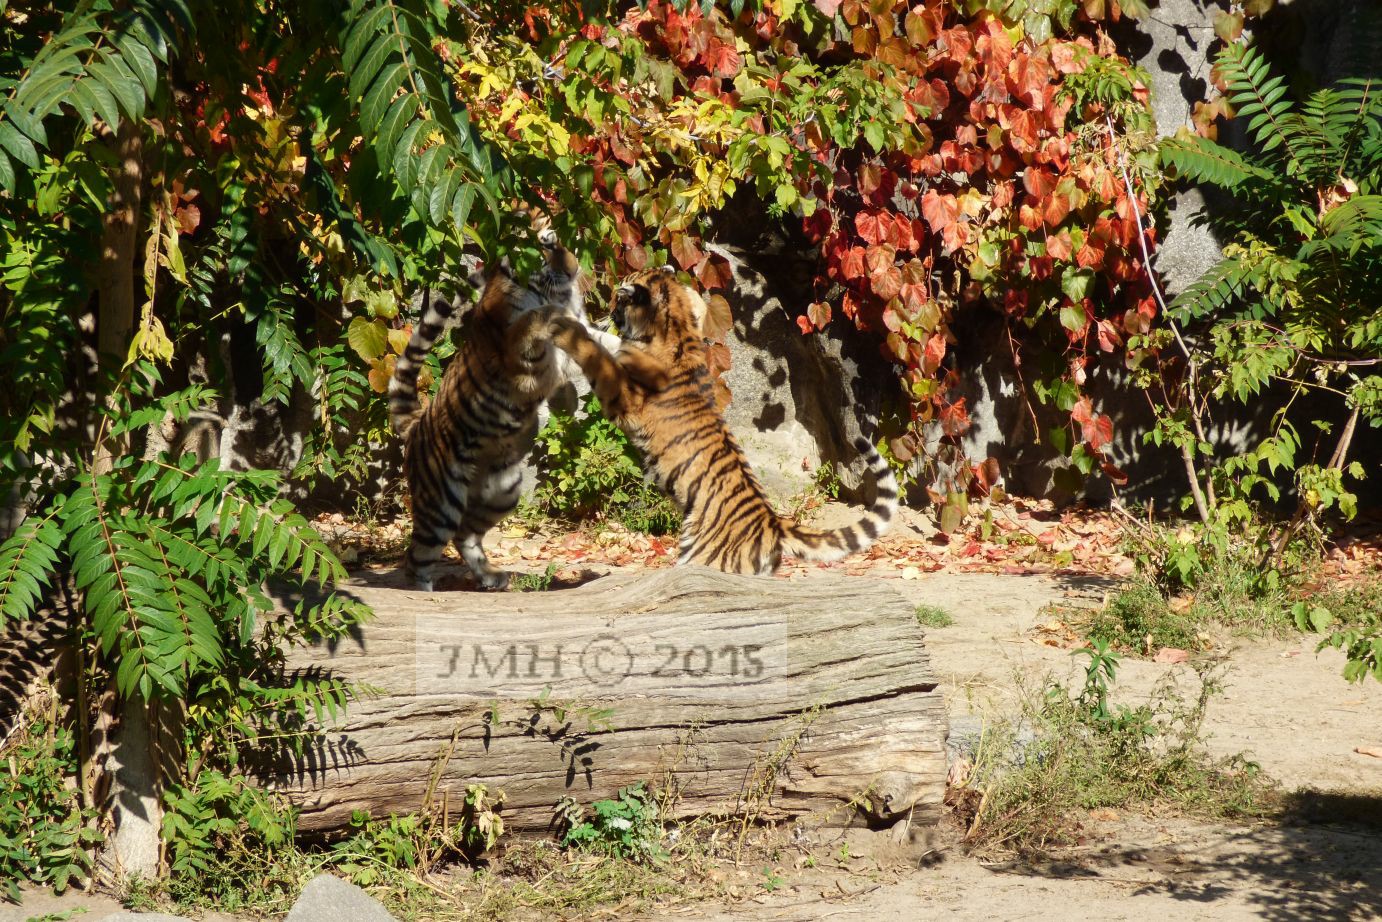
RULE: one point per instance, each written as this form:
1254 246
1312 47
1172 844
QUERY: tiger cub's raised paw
644 369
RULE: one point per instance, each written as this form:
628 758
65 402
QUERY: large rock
798 401
330 899
1174 46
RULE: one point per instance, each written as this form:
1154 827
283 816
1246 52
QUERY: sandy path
1283 706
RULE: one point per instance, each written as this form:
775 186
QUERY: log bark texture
808 700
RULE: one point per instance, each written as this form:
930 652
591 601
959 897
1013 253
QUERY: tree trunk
119 240
746 696
133 848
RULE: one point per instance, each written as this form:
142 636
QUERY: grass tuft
1030 783
933 616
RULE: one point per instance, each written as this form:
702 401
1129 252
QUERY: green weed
588 469
534 582
1349 620
626 827
1139 618
933 616
1073 750
45 832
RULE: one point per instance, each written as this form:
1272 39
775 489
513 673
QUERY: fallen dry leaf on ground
1171 655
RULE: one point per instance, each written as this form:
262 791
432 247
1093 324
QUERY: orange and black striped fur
657 388
463 453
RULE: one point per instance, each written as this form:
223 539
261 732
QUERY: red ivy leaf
1114 473
891 320
1100 433
935 352
819 312
918 26
714 273
685 252
954 418
1039 182
957 42
1083 411
869 227
1057 208
879 258
852 264
939 210
722 58
1058 246
887 284
1108 336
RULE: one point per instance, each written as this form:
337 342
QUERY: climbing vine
939 155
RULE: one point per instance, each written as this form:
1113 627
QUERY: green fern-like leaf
1257 95
179 405
1331 126
290 538
1202 160
285 359
406 111
1349 228
101 65
1219 287
1353 113
28 561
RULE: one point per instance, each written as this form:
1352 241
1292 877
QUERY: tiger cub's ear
502 268
699 309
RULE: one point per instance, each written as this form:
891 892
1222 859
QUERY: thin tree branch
1204 497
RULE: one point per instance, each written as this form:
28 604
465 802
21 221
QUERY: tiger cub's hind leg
423 557
495 494
473 553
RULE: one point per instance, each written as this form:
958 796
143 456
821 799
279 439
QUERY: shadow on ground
1287 872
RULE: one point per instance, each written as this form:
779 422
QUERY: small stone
330 899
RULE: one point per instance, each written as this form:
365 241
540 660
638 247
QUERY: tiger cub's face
559 282
652 305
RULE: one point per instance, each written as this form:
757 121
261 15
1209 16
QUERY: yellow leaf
380 371
173 255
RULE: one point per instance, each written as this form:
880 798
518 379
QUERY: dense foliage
1294 307
45 831
940 155
207 206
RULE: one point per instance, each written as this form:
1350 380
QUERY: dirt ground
1283 706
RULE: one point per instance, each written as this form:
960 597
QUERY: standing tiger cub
657 388
463 453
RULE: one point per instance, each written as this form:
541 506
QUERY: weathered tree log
810 700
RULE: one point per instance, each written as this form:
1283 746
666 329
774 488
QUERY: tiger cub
657 388
463 453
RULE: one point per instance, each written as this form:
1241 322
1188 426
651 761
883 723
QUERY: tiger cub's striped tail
827 546
404 406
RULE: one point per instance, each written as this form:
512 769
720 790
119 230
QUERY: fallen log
809 700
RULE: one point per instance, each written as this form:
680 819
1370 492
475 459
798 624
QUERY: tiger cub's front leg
610 375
